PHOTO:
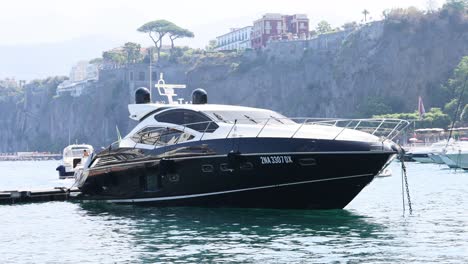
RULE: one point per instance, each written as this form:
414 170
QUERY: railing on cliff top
385 129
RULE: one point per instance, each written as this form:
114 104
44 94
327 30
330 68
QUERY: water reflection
238 235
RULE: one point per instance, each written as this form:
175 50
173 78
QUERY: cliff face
334 75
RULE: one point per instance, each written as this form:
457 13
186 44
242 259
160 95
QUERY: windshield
76 151
250 117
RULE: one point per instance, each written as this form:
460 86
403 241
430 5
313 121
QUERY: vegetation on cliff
443 97
454 93
9 88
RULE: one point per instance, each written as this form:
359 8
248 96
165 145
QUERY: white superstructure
164 124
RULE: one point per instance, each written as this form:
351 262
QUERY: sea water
371 229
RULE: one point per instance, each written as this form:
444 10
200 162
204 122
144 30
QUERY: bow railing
381 127
385 129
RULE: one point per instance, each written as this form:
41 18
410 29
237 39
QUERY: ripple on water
371 229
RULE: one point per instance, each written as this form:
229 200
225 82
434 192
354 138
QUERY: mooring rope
405 177
404 182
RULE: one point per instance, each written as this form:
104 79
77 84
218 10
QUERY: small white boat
459 157
432 153
74 156
456 155
422 155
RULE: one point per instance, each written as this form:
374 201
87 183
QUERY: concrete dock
19 156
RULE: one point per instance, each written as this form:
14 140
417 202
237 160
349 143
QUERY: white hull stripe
230 191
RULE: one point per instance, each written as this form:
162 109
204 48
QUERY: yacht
211 155
430 154
74 156
456 156
421 155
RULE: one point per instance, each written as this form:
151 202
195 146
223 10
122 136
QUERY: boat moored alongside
74 156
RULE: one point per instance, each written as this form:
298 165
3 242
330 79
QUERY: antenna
167 89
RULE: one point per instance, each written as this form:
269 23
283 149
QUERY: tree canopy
456 4
365 12
456 88
350 26
211 45
178 32
132 51
157 29
113 57
434 118
323 27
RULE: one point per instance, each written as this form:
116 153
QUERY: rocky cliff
333 75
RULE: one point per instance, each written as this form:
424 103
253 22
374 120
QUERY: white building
78 71
237 39
81 75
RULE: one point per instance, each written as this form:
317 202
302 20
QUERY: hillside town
269 27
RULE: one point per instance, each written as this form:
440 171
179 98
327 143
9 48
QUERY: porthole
308 162
173 177
224 167
207 168
246 166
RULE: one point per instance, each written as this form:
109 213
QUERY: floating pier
45 195
19 156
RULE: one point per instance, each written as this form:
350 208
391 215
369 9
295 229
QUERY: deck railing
385 129
381 127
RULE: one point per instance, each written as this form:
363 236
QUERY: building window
154 76
141 76
131 76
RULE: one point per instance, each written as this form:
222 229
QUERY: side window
161 136
197 121
171 116
191 119
148 135
172 136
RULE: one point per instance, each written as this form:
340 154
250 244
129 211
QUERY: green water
371 229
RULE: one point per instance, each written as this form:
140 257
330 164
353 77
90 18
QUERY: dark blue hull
304 175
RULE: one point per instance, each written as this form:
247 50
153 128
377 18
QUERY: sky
27 23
